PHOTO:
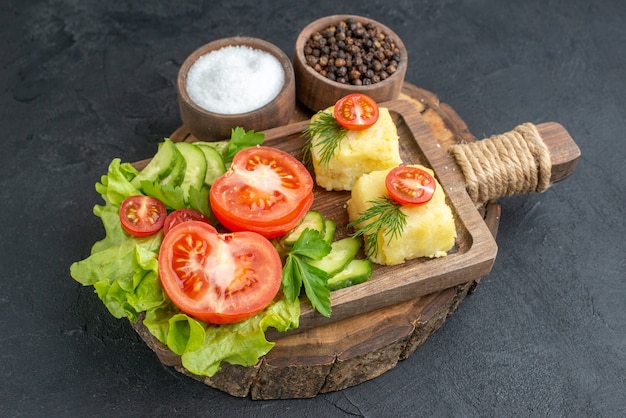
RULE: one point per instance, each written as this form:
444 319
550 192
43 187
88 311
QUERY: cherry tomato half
266 190
218 278
183 215
356 111
142 215
410 185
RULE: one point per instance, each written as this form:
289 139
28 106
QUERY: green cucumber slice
159 166
357 271
220 146
329 231
341 253
215 166
312 220
195 167
176 175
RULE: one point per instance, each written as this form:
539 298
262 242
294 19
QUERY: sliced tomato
356 111
183 215
266 190
409 185
218 278
142 215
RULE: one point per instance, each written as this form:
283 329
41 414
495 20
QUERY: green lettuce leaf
203 347
241 343
115 186
125 276
123 271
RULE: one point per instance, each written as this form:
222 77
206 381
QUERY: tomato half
142 215
183 215
410 185
218 278
356 111
266 190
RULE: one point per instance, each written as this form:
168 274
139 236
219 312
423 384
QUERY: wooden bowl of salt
235 82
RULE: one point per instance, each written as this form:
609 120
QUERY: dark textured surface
84 81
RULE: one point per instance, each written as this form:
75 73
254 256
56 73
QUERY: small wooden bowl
210 126
317 92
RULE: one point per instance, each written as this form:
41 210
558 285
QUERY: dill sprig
329 133
384 215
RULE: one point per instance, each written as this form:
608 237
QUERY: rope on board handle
515 162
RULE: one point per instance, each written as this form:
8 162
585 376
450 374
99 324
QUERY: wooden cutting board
378 323
471 258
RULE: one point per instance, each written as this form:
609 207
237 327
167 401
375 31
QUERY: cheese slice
360 152
430 229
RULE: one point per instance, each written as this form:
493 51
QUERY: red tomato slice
410 185
218 278
183 215
266 190
356 111
142 215
268 230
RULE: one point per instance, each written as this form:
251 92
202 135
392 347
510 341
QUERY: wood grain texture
564 153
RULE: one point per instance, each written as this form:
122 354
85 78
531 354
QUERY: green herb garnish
383 216
329 132
240 139
296 272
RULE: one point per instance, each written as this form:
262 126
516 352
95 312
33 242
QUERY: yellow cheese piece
360 152
430 229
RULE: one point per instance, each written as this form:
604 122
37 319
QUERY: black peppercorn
351 52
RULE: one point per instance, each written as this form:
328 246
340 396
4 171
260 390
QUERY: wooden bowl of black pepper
342 54
235 82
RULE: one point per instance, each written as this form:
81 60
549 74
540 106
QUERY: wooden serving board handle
527 159
564 152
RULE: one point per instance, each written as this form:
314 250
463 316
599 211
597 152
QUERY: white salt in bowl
232 82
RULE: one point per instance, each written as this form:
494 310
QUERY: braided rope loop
502 165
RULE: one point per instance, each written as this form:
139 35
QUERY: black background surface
84 81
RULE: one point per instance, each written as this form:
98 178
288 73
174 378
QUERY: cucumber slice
341 253
220 146
357 271
176 175
329 231
195 167
160 166
215 166
312 220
